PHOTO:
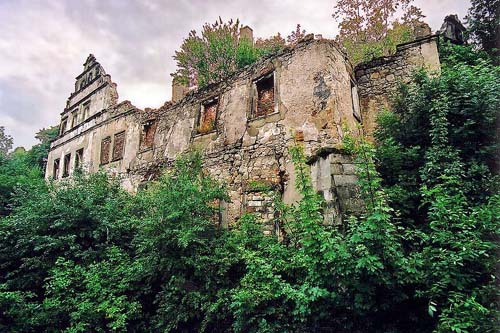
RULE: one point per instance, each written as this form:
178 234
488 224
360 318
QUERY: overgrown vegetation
21 167
483 19
221 50
83 255
370 29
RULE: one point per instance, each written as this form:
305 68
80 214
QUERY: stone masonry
378 79
244 126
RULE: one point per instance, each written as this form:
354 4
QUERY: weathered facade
244 125
378 79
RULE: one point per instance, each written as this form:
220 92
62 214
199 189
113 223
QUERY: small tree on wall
221 50
296 35
369 28
216 54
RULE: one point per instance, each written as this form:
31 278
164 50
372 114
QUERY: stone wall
333 175
378 79
245 125
88 136
313 104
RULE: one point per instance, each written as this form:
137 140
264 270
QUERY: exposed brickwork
265 96
208 117
148 134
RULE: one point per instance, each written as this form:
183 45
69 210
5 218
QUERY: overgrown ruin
308 94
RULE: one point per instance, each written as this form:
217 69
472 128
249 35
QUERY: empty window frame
55 171
79 158
86 110
264 96
148 135
64 125
208 116
74 118
67 159
105 147
118 146
355 101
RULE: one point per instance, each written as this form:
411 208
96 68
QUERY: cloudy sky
43 45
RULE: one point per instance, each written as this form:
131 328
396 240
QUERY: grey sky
44 44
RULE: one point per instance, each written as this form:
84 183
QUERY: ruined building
244 125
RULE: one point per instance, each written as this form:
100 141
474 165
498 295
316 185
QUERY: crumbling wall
378 79
248 149
301 95
333 175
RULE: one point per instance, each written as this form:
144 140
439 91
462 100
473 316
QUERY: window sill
261 120
264 116
145 150
197 135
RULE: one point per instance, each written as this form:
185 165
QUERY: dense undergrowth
83 255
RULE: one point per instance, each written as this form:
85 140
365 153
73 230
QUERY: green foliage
462 104
95 296
370 29
359 52
483 19
21 168
178 241
39 152
436 153
220 51
213 56
259 186
54 228
16 171
5 142
269 45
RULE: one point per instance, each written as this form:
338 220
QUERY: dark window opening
148 135
208 116
55 172
67 159
79 158
105 146
355 102
119 145
265 96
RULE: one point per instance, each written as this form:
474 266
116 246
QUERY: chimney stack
179 90
247 33
453 30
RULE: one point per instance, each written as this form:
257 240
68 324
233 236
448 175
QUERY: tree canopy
370 28
483 19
